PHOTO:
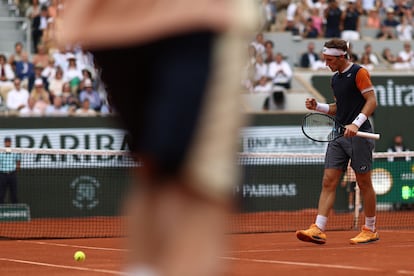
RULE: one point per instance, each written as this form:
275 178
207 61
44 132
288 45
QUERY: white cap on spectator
70 56
351 1
88 83
38 82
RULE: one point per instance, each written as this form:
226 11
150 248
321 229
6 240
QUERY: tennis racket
324 128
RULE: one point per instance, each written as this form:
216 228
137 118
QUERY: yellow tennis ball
79 256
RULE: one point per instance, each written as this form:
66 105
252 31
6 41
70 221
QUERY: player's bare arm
312 104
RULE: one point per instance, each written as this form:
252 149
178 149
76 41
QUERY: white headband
333 52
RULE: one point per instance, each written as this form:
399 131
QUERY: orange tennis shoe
313 234
366 236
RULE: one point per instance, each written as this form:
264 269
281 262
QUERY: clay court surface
251 254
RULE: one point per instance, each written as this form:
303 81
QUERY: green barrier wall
72 192
284 187
397 181
293 187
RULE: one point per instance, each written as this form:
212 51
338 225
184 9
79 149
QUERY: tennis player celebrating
354 102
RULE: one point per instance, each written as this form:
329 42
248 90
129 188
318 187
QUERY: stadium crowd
50 80
267 68
46 79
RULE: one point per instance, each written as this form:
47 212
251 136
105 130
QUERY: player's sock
370 223
321 222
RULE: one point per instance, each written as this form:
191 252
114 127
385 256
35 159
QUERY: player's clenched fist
311 103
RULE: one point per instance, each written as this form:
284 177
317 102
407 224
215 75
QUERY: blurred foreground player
172 69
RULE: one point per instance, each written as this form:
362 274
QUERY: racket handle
369 135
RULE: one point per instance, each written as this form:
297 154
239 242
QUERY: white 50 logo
86 190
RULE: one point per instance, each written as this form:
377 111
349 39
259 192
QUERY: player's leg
336 161
361 162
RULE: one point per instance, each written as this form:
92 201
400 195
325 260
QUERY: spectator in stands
350 25
17 54
85 109
57 108
258 43
69 99
41 56
401 9
404 30
6 77
86 75
268 10
9 166
390 23
84 60
49 71
248 71
73 73
61 57
280 72
308 58
292 27
332 16
252 54
310 31
40 95
39 24
373 19
56 83
263 86
91 95
30 109
261 68
38 69
385 33
372 56
366 62
319 64
18 96
269 46
398 146
367 6
33 10
388 56
25 70
317 21
405 57
291 12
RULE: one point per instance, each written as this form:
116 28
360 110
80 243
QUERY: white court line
74 246
349 267
63 266
345 267
291 249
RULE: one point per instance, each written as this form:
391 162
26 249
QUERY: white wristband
360 119
322 107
